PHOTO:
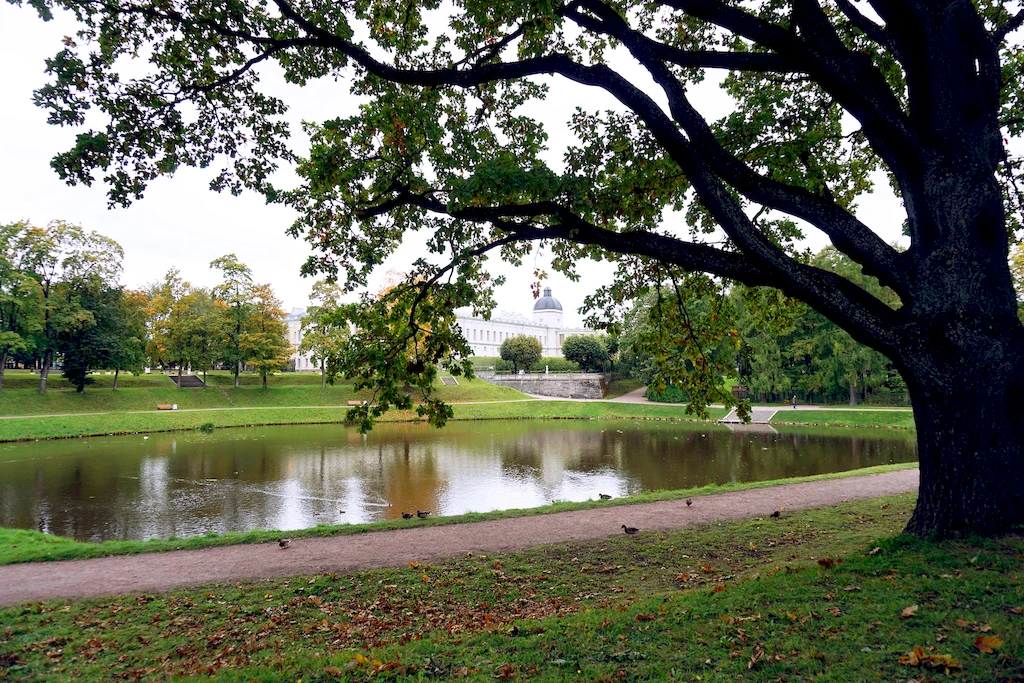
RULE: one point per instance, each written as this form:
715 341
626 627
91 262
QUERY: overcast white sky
181 223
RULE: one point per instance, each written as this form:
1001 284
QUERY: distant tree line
776 347
61 305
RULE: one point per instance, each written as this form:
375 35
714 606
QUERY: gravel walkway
165 571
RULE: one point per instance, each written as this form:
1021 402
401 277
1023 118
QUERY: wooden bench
166 406
355 403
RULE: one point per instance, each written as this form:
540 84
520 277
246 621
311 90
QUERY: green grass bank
85 424
19 545
297 398
852 417
828 595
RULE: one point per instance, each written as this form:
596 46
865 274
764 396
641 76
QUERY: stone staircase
189 382
757 416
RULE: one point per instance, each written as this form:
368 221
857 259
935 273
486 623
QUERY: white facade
485 336
300 361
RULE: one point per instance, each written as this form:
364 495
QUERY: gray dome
547 302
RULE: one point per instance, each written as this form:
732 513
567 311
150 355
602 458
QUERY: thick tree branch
850 77
862 23
1009 27
846 232
841 300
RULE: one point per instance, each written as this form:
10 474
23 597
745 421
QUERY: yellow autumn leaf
361 659
918 657
988 644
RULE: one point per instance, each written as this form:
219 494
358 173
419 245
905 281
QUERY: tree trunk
44 370
204 378
264 380
970 436
3 366
853 394
238 368
116 372
179 375
323 374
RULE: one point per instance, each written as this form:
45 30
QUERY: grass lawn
21 545
746 600
63 426
903 419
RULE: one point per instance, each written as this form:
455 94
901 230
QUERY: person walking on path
794 401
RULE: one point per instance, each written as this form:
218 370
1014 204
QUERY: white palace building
485 336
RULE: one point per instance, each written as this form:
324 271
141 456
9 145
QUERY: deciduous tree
263 342
63 258
522 351
825 94
585 350
236 291
130 334
19 297
321 337
169 320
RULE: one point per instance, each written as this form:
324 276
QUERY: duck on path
630 530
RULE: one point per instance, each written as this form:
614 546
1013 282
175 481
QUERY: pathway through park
165 571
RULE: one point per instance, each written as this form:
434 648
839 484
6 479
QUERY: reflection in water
188 484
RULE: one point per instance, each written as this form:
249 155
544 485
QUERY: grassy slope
622 386
741 600
19 545
145 392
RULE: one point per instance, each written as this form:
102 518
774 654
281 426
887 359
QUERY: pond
189 483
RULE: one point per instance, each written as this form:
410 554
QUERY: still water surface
187 484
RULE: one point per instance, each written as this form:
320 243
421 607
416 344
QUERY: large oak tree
826 92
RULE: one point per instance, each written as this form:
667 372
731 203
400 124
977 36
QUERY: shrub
671 394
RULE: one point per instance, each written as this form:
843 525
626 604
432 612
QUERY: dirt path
166 571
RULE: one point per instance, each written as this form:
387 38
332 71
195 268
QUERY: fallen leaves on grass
909 611
988 644
755 656
919 657
828 562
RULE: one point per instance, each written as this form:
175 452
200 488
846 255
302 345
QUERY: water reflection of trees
185 484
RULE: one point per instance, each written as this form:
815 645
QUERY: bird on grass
630 530
283 543
423 514
604 496
777 514
407 515
689 502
